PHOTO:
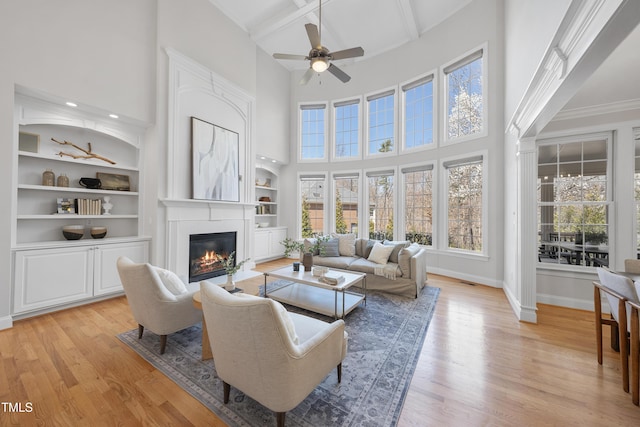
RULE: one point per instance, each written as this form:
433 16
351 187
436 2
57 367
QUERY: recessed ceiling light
273 161
262 157
113 116
72 104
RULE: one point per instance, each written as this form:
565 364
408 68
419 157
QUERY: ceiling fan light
319 64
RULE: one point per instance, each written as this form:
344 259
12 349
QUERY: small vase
48 178
307 261
107 205
230 285
63 181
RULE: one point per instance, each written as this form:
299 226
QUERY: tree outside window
465 96
464 204
312 206
573 202
418 204
381 195
346 199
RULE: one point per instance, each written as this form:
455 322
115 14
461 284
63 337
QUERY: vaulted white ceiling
277 26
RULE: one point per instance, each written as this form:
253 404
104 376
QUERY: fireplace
207 253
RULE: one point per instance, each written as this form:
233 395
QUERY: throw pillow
171 281
380 253
288 323
367 248
330 247
346 243
397 245
309 243
404 258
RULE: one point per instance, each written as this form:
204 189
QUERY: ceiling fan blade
314 37
344 77
347 53
307 76
288 56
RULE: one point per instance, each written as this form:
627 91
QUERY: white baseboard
565 302
523 314
6 322
465 277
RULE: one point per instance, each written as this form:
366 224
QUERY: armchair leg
340 372
140 331
280 418
163 343
226 389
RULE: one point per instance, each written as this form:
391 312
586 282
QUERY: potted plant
232 268
307 250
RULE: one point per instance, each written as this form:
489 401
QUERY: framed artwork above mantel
215 162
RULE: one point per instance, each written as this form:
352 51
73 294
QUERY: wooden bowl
73 232
98 232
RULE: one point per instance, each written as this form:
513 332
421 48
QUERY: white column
527 166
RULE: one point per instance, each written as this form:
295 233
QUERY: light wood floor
479 366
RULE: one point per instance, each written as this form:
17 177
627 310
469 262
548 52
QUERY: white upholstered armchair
275 357
158 299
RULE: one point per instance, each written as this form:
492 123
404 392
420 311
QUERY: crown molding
597 110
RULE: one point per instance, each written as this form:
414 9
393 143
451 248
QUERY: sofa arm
419 269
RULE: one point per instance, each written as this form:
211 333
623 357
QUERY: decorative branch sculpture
88 153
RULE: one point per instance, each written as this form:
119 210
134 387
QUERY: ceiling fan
319 56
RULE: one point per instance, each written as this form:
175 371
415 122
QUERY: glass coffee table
310 293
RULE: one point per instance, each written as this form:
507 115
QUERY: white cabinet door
107 280
277 236
50 277
261 245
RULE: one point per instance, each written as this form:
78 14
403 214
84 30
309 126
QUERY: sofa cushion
367 245
171 281
397 246
365 266
404 258
346 243
341 262
329 248
380 253
308 243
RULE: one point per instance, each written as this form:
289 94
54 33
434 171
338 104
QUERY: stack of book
88 206
332 278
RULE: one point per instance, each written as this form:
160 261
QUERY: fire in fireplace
207 253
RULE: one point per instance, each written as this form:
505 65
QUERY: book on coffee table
332 278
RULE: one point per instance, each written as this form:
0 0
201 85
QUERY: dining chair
617 290
632 266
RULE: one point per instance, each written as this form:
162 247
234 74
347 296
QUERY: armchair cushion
171 281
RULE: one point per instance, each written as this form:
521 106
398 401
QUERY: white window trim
365 139
485 102
361 109
435 113
332 207
325 157
443 241
434 197
299 201
365 214
565 138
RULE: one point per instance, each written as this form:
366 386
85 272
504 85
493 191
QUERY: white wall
72 49
272 105
468 29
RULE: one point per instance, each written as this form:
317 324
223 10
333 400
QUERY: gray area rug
385 339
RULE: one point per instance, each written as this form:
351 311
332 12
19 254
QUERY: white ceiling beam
277 23
409 18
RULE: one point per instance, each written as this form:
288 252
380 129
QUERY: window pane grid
381 130
381 195
312 136
573 203
465 101
418 207
312 199
347 130
465 207
419 115
346 193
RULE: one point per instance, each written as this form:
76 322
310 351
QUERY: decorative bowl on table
73 232
98 232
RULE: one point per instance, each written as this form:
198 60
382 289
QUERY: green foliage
341 224
307 229
229 266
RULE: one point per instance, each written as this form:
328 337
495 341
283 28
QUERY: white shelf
266 215
75 216
75 190
262 187
266 203
83 162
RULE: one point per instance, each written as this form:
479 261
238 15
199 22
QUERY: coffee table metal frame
308 292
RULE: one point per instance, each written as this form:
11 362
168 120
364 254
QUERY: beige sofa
405 272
